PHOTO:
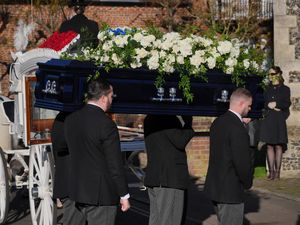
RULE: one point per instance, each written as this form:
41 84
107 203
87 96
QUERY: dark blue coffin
61 86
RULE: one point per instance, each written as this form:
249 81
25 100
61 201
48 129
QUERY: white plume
21 35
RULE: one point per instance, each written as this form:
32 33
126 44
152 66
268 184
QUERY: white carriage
26 158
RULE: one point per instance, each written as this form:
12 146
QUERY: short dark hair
97 88
240 93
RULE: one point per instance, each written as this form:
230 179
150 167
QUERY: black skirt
273 128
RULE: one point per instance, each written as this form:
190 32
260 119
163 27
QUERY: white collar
92 103
237 114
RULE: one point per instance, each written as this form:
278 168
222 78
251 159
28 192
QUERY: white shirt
238 115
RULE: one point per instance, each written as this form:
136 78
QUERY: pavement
288 188
267 203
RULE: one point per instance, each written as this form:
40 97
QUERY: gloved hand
271 105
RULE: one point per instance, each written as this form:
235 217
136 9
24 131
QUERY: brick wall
198 154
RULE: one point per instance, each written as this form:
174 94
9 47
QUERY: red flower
58 41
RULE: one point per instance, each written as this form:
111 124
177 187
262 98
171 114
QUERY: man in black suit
167 173
88 29
71 216
230 169
97 179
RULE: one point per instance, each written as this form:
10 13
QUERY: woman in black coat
273 127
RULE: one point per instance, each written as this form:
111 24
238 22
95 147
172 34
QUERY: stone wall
287 56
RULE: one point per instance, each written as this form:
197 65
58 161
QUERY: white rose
246 63
107 46
171 58
254 65
185 47
168 68
231 62
175 49
211 62
141 53
138 37
229 70
135 65
153 62
101 36
104 58
162 54
199 53
224 47
235 52
180 59
166 45
146 41
116 59
157 44
121 40
196 60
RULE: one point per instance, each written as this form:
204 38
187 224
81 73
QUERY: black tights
274 157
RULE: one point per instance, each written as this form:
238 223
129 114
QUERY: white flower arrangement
190 56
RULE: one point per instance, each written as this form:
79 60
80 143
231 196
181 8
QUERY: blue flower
118 31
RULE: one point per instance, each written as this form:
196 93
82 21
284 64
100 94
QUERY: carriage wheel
4 188
41 179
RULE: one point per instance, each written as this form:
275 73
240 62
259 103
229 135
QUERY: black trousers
95 215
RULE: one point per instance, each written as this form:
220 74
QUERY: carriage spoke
41 203
4 188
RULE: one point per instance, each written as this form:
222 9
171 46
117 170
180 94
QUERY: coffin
61 85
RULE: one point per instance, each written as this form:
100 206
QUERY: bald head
241 101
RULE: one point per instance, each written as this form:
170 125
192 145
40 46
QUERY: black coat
97 174
230 169
88 29
61 156
165 140
273 125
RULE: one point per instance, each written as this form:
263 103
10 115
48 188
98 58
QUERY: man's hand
246 120
271 105
125 204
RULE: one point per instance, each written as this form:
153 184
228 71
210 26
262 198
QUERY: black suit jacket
97 174
165 140
230 169
88 29
61 156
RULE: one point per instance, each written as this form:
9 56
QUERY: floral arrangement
189 56
60 42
